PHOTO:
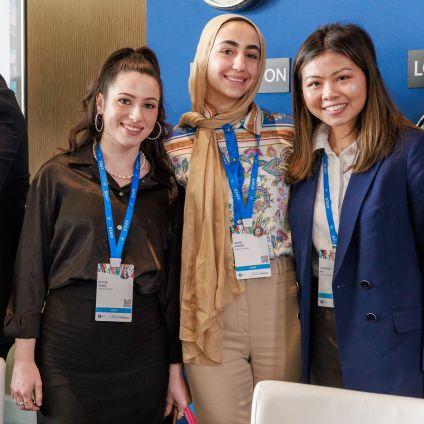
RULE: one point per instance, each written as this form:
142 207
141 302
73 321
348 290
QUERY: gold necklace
339 148
114 174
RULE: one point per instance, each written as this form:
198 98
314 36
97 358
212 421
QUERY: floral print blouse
270 214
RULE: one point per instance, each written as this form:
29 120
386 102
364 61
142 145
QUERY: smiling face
335 91
129 108
233 65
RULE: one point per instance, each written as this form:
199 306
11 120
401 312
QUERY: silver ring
20 403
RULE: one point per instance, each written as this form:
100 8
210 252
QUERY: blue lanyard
327 200
233 152
116 249
242 212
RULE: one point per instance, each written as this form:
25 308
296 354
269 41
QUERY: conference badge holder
325 277
114 297
251 256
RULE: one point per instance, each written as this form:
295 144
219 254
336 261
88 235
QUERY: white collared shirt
339 172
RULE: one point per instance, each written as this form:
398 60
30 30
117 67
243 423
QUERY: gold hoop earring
96 122
159 134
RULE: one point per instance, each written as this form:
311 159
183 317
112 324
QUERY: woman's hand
178 392
26 381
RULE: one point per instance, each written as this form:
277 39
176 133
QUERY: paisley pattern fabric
271 199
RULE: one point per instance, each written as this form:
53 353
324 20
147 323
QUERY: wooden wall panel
67 41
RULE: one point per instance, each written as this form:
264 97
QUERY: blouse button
121 193
119 227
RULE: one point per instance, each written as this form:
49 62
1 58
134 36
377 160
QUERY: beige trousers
261 342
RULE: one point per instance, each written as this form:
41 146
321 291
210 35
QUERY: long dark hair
378 125
144 61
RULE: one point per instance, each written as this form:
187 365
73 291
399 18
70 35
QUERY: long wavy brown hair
142 60
378 125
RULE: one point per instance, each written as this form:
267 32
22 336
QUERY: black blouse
64 237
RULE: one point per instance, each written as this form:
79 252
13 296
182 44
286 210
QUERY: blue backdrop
396 26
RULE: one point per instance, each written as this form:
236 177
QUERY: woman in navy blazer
357 219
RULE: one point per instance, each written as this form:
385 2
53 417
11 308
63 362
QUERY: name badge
325 277
114 295
251 256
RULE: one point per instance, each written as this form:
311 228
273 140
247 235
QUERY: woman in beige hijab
238 288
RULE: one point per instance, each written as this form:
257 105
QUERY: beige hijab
208 281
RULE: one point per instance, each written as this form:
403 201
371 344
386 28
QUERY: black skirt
101 372
325 362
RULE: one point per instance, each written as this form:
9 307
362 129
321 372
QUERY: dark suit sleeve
13 137
14 182
415 178
171 293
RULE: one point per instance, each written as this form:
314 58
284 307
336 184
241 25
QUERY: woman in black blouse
105 349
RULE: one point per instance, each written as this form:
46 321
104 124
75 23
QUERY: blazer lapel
355 194
305 212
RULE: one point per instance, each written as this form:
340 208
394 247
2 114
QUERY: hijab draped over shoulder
208 280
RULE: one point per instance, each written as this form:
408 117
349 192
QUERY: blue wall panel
396 26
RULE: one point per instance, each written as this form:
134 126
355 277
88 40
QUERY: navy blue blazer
378 271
